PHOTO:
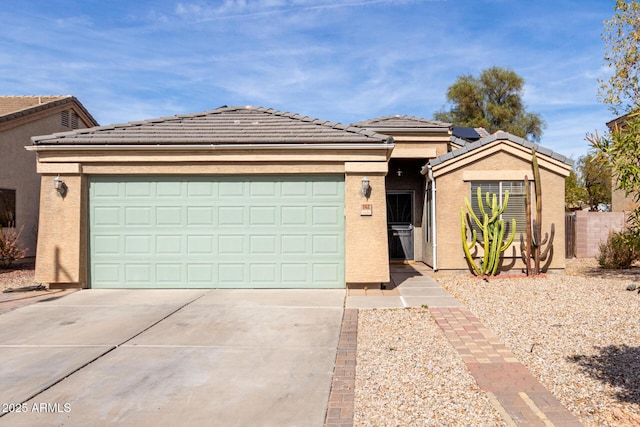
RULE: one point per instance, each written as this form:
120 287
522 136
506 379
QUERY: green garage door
217 232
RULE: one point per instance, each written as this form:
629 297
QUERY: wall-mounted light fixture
60 186
365 190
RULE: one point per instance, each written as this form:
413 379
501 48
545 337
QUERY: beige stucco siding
620 202
420 147
62 234
452 189
367 259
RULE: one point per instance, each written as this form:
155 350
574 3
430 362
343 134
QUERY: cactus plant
533 248
493 232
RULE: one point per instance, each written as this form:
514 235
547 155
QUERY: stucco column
59 258
366 246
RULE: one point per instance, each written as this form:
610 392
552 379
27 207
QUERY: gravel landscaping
20 274
407 374
577 333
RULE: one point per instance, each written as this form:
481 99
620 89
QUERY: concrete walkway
513 391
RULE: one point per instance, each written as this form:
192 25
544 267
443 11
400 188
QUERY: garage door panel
107 273
294 244
136 245
231 244
106 190
263 245
169 189
230 273
203 274
107 245
327 244
231 216
106 216
264 274
326 273
138 189
198 245
326 215
231 189
295 189
138 274
329 189
263 189
169 216
200 215
217 232
200 189
294 215
137 215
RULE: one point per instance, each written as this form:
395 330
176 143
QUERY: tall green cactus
493 230
532 249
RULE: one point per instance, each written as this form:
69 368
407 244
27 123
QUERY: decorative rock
521 311
632 287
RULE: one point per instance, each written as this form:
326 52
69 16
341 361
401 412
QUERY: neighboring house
437 166
22 117
259 198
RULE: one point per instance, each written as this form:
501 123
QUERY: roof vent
69 119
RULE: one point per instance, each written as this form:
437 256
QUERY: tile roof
500 135
400 122
224 125
12 107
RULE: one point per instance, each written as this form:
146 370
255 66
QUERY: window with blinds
515 207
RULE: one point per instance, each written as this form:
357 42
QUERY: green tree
622 38
620 147
595 179
574 194
619 150
492 101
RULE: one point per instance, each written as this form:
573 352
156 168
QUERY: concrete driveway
170 357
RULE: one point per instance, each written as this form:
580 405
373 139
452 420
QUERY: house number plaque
365 209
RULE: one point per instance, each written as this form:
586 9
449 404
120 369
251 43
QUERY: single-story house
22 117
259 198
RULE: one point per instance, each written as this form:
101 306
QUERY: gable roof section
13 107
471 151
222 126
466 147
403 123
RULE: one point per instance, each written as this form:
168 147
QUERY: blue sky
343 61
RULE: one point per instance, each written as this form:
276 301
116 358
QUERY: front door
400 224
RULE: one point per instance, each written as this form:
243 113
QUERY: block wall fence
593 228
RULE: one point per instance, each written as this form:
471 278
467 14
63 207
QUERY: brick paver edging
341 397
517 394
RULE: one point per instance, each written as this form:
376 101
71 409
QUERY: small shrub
10 247
617 252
